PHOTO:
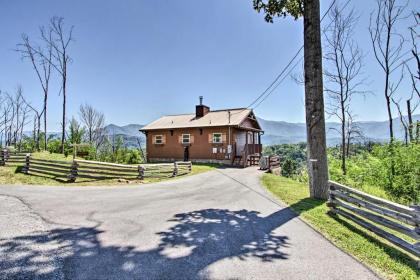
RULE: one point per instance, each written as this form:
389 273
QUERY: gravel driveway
215 225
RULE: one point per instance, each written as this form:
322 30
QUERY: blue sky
136 60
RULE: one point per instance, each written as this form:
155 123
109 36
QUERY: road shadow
185 251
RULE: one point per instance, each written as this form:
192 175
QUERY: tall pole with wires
314 98
314 101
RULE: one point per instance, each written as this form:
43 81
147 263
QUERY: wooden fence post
141 172
330 202
25 168
175 169
190 166
2 158
73 172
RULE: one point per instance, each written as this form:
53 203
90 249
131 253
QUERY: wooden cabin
229 136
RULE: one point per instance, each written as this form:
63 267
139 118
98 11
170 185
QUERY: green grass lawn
10 174
375 252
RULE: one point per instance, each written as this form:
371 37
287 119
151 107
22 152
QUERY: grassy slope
10 174
374 251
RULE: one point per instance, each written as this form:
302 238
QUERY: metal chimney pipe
201 100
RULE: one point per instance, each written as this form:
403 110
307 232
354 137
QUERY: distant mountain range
280 132
130 133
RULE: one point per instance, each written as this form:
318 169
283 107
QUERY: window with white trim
217 138
158 139
186 138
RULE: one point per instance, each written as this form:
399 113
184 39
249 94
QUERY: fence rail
12 157
72 170
273 162
377 215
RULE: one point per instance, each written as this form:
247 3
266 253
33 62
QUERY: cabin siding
201 149
239 128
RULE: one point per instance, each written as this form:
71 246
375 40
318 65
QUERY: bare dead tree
41 62
403 121
22 116
37 123
3 117
59 40
18 104
140 147
16 118
343 70
353 131
6 118
94 122
415 35
387 46
412 104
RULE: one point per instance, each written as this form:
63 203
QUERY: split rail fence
72 170
12 158
273 162
378 215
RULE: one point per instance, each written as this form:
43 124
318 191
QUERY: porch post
245 156
259 143
253 142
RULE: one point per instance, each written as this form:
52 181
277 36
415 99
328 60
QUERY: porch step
237 161
253 159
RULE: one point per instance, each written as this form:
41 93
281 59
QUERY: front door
240 142
186 153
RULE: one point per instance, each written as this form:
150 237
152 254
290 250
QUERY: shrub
54 145
289 167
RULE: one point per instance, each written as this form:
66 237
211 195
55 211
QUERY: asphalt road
215 225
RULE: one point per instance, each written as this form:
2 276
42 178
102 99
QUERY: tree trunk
388 104
343 139
63 131
38 134
348 145
410 121
45 121
314 102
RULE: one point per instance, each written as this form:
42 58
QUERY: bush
374 170
28 144
392 172
289 167
54 146
132 157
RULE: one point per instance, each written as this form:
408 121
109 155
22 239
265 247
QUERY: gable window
217 138
158 139
186 138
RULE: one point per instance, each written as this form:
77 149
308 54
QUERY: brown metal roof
211 119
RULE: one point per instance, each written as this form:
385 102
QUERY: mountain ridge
283 132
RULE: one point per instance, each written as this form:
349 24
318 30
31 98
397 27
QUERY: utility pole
314 102
314 95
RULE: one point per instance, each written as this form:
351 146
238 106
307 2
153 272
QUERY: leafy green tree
76 132
289 167
132 156
54 146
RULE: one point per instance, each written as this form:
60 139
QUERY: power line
267 92
275 87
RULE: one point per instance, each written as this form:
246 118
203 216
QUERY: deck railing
253 149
